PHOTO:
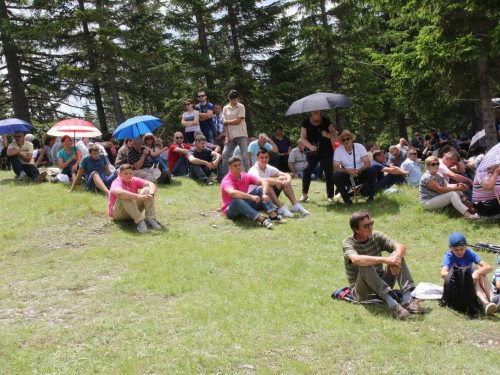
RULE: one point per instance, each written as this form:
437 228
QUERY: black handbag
308 152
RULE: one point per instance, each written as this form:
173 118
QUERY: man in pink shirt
126 203
236 202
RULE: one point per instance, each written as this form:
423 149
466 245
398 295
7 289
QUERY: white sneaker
298 208
22 176
284 211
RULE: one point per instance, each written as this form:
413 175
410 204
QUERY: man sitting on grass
283 182
363 263
20 155
203 161
236 202
126 202
97 172
387 175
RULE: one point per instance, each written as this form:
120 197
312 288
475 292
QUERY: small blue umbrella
12 125
137 126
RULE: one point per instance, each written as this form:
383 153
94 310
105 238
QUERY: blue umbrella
137 126
12 125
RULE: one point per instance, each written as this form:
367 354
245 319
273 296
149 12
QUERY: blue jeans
247 207
314 175
162 163
209 135
181 167
68 170
90 185
19 167
201 172
391 179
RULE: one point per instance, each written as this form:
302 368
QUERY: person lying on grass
460 256
126 201
97 172
364 262
236 202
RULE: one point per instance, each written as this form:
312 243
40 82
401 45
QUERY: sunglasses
412 153
436 164
179 137
346 139
366 226
187 103
201 96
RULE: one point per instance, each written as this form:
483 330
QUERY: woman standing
149 141
316 134
69 157
435 193
191 121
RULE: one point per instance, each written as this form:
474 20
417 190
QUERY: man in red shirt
177 162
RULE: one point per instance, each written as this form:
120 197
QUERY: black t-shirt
314 134
204 154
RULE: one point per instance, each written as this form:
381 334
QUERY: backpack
459 292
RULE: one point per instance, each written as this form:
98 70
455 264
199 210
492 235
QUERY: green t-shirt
377 243
64 156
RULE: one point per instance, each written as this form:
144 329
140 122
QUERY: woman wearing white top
191 121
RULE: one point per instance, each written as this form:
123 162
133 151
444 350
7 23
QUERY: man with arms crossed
363 263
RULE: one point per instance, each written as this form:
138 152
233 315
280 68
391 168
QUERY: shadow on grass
129 227
380 206
246 224
383 310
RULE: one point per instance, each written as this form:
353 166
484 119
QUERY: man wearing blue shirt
206 113
262 142
411 166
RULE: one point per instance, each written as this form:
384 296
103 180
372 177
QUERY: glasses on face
346 139
148 138
412 153
201 96
187 103
366 226
435 164
179 137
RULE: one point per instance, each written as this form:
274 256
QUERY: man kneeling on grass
97 172
363 262
126 202
236 202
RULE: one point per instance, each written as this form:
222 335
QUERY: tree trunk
202 38
402 130
20 103
487 105
101 114
110 72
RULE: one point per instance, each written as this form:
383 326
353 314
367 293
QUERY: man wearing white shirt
351 163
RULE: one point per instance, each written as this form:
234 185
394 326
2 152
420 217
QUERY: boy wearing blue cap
460 256
495 282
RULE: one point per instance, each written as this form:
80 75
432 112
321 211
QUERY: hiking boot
41 177
414 308
208 182
22 176
399 312
142 227
278 219
165 177
267 224
298 208
347 204
284 211
153 224
496 301
490 309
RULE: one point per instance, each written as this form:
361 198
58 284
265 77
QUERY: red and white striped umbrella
74 128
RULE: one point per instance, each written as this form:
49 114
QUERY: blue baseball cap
457 239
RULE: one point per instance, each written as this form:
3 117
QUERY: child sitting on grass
495 281
460 256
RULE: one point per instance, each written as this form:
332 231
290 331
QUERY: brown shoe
414 308
400 312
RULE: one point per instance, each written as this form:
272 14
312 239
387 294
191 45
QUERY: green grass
81 294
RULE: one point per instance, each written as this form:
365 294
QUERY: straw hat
346 132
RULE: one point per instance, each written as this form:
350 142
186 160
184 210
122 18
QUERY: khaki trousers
126 209
371 284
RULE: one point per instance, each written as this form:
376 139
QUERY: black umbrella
318 101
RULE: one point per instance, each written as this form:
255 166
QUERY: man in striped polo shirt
363 262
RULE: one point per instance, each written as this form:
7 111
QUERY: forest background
408 65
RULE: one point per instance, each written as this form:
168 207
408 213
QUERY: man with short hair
403 144
442 137
212 146
363 262
297 162
387 175
262 142
127 202
138 157
220 133
206 114
450 168
203 161
236 202
177 152
411 166
351 163
233 118
283 182
397 157
97 172
417 142
20 155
